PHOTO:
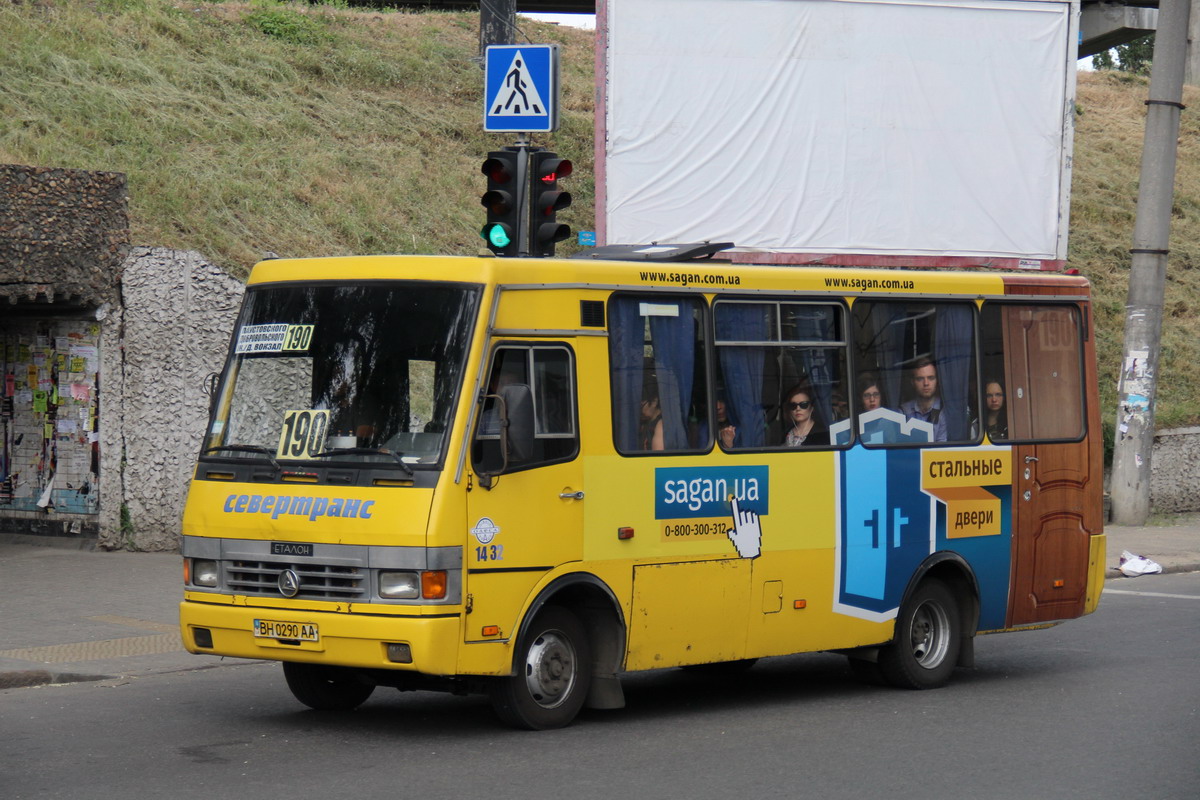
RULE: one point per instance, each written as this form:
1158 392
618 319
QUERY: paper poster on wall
39 401
90 355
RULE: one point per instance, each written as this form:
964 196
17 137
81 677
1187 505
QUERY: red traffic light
497 170
550 170
551 202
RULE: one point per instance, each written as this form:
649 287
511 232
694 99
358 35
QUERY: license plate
296 631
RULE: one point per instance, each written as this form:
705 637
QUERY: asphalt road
1103 707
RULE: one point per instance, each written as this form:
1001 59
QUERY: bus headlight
204 572
399 585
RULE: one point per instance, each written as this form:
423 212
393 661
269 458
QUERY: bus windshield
361 372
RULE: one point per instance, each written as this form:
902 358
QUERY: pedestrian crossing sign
521 88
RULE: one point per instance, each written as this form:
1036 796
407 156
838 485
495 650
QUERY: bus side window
1032 372
537 385
657 356
768 351
921 358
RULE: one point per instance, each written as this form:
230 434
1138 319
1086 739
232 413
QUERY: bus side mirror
211 381
512 419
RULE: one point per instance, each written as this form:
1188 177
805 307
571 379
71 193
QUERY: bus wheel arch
952 570
572 606
935 626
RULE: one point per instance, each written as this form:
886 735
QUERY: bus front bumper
334 638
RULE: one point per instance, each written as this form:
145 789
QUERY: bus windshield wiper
247 448
366 451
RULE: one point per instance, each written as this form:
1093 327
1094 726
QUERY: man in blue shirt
927 405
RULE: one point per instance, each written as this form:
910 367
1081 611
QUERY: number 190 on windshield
303 434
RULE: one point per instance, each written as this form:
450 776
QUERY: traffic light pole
522 147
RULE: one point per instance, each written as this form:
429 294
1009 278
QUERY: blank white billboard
874 127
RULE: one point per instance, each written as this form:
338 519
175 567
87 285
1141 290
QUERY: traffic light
545 201
501 202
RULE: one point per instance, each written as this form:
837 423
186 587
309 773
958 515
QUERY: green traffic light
497 236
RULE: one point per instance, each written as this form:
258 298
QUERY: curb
1113 572
19 679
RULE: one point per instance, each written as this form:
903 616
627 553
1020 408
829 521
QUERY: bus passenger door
529 520
1055 496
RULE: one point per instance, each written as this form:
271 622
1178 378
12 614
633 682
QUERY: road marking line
1153 594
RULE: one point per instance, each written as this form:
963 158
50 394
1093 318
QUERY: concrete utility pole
1147 274
1191 75
497 23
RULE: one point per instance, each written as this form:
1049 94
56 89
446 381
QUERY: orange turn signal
799 604
491 630
624 533
1058 584
433 584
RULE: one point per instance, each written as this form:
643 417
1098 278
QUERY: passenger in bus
996 422
800 410
870 395
725 429
839 405
650 431
926 405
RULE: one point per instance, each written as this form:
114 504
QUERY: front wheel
326 688
928 637
553 673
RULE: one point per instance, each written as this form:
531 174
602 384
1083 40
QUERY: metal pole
497 23
1191 75
523 195
1147 273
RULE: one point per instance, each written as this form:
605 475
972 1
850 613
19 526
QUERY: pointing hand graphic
746 534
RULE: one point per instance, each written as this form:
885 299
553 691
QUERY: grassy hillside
254 127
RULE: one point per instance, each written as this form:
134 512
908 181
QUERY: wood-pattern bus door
1051 482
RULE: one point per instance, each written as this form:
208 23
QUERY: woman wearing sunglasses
800 410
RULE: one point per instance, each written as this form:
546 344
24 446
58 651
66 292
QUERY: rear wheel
553 673
928 637
326 688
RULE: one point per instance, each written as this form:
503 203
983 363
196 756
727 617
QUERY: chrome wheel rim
929 635
550 669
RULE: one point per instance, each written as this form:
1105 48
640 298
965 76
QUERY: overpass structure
1103 23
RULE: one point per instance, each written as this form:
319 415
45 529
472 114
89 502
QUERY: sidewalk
77 615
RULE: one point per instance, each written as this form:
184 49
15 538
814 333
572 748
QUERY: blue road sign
520 88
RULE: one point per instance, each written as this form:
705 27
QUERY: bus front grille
317 581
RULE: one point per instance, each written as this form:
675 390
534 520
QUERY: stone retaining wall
176 315
64 234
1175 471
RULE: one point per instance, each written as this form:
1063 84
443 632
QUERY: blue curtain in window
888 341
815 324
626 331
674 342
742 370
954 348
